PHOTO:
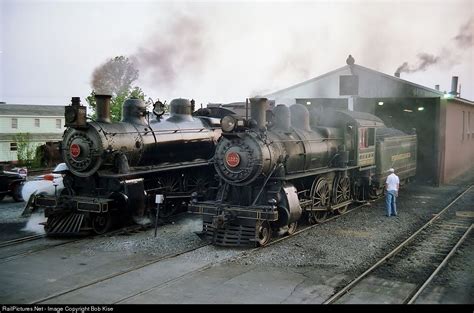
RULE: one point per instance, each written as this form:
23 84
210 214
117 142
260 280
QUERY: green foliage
117 101
116 76
25 149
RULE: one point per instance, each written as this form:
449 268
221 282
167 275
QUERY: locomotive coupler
221 220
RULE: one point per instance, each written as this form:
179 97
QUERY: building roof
372 84
35 110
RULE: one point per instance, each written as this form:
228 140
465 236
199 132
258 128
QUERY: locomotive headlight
228 123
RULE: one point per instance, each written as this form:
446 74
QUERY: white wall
27 125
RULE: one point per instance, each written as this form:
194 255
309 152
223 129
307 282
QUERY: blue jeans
391 202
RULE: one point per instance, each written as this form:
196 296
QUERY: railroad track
20 240
15 255
121 231
167 257
401 275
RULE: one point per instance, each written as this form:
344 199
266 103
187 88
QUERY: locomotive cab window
366 137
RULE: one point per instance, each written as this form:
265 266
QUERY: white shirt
392 182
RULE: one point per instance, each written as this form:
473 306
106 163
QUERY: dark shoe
387 215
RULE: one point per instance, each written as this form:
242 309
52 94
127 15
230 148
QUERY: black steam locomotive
296 166
117 168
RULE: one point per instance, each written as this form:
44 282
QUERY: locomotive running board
315 172
135 171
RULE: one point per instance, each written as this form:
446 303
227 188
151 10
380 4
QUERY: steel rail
110 276
348 287
20 240
411 300
169 256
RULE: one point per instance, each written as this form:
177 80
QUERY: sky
225 51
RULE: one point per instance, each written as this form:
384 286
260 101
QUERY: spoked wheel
168 208
169 184
101 223
292 228
198 183
320 199
342 192
317 217
375 193
342 209
263 233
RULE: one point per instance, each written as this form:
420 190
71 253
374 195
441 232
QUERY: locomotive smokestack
397 74
257 110
454 86
437 87
103 108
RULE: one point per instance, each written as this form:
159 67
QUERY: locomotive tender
117 168
299 166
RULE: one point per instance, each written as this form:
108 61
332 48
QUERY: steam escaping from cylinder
33 225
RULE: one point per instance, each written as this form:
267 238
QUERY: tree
25 149
117 101
115 77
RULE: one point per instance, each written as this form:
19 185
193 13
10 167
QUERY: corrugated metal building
43 122
444 122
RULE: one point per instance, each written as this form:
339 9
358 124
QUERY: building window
13 146
14 123
366 137
58 123
37 122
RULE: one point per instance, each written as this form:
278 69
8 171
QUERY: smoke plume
177 48
462 40
424 61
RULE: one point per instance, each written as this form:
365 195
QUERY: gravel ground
353 242
453 284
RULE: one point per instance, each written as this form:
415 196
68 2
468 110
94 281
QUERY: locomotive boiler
117 168
297 166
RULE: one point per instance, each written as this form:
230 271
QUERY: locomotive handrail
148 169
265 183
309 140
163 131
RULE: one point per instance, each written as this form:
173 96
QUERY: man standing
392 184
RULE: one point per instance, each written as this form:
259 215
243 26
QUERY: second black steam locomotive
298 166
117 168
